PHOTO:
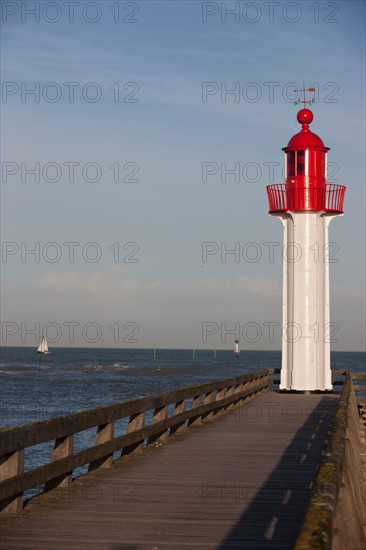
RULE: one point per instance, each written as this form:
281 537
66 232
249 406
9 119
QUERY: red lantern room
306 185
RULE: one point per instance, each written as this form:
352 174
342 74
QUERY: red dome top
306 187
305 139
305 116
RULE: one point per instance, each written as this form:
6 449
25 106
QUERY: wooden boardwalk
241 481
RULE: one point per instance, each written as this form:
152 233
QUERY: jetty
227 464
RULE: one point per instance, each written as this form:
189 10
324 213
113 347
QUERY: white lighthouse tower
306 204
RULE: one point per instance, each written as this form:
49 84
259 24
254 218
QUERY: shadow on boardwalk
271 519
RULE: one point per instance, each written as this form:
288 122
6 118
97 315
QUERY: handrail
358 376
325 518
192 405
283 197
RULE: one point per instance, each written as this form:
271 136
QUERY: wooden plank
358 375
240 481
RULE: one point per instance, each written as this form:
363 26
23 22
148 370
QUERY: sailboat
237 351
43 347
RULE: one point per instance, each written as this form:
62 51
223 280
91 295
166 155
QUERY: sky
137 142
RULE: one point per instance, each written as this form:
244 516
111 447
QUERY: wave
19 368
114 367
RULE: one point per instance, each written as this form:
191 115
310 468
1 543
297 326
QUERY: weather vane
305 101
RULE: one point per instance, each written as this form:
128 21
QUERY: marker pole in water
154 353
215 353
193 353
101 351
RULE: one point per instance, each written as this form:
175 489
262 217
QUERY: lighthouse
306 204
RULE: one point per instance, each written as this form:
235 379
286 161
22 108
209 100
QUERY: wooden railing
335 515
170 412
358 387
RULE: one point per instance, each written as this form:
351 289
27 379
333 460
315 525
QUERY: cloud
162 312
113 280
171 313
74 283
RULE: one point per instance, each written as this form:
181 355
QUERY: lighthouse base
306 392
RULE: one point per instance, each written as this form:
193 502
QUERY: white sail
43 346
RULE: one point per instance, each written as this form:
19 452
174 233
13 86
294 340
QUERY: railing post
63 448
197 402
209 398
220 395
161 413
11 465
105 433
179 408
238 389
136 422
229 393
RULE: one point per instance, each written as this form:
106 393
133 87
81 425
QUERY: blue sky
160 133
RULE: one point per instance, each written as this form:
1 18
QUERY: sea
36 387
